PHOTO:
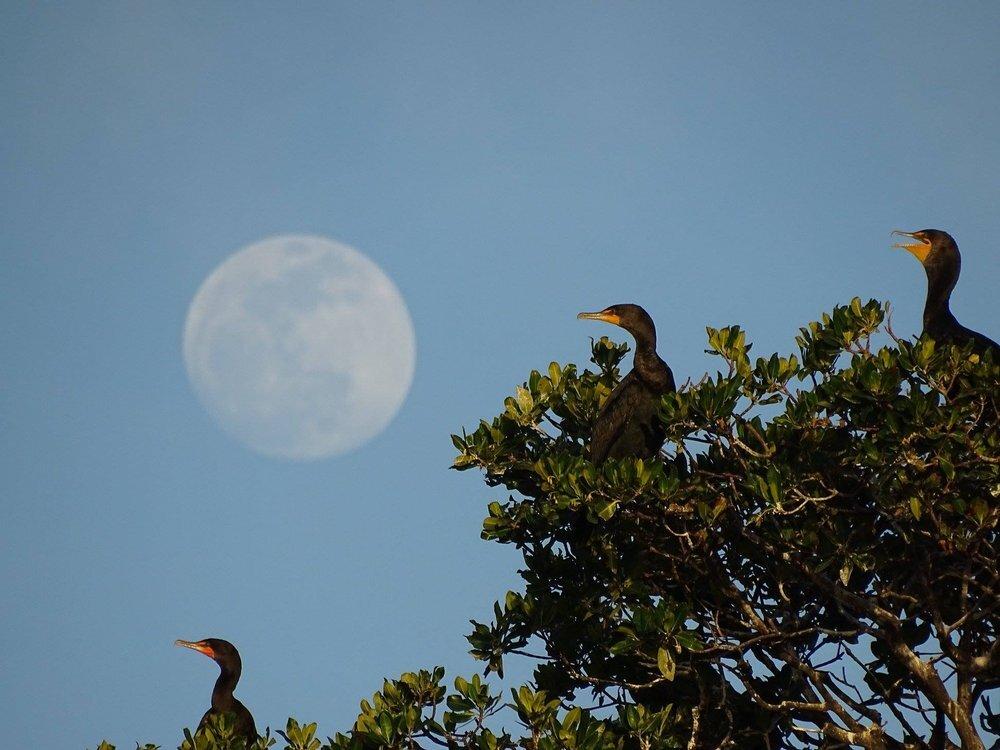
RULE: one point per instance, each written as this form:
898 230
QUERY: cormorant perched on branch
937 252
227 657
628 424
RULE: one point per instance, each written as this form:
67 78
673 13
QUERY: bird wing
612 418
244 723
953 332
985 343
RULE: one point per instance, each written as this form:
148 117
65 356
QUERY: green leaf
666 664
845 573
947 467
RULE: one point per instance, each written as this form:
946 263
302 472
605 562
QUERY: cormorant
227 657
937 252
628 424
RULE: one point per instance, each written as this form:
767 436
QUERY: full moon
300 347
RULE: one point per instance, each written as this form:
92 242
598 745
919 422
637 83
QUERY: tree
811 562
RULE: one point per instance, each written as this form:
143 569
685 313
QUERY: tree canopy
811 562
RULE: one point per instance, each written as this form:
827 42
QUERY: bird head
932 246
631 317
220 651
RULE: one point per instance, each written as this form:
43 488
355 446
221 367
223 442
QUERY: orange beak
198 646
603 315
920 249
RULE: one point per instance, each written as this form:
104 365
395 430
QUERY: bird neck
645 342
222 693
646 361
940 283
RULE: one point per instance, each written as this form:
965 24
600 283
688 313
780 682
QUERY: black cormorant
227 657
628 424
937 252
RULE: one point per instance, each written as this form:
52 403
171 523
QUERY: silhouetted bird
628 424
937 252
227 657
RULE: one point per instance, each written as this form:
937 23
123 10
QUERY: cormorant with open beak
628 424
938 253
227 657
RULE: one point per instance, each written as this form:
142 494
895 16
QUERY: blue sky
507 165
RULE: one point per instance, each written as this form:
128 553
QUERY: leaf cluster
811 559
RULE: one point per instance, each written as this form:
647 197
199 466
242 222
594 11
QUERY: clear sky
507 165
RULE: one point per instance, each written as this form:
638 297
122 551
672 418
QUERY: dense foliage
810 563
